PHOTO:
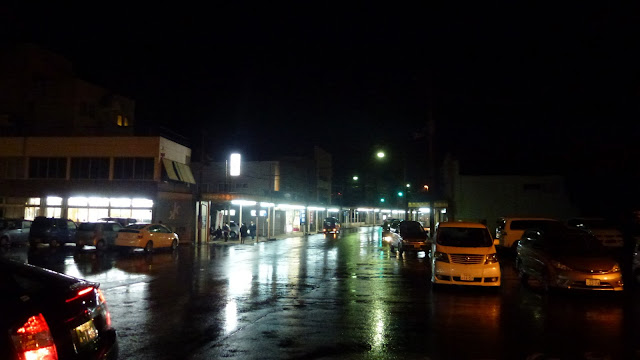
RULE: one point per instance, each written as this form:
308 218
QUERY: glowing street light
408 186
400 193
355 178
380 154
381 199
234 164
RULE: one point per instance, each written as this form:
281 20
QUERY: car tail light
33 340
103 303
81 293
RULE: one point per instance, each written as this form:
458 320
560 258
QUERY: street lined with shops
309 296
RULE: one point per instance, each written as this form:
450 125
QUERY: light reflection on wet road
348 298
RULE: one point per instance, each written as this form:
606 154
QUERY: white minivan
510 229
464 253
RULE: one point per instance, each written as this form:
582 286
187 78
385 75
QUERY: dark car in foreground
49 315
568 258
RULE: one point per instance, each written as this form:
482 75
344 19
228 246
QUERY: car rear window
528 224
464 237
412 229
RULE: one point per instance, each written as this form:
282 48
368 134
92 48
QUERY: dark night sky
510 86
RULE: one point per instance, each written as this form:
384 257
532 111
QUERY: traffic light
400 193
381 200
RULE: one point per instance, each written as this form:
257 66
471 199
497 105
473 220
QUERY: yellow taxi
147 237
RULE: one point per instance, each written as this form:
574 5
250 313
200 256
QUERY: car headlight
440 256
491 259
615 268
560 266
387 238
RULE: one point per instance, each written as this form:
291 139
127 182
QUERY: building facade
88 178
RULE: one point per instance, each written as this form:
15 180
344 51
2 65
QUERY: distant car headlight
440 256
491 259
560 266
615 268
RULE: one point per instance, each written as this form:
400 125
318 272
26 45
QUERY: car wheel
4 241
149 247
101 245
53 243
174 244
233 235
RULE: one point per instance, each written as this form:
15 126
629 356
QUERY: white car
463 253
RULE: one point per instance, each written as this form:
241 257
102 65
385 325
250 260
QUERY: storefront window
54 201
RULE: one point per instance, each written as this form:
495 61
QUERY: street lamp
380 154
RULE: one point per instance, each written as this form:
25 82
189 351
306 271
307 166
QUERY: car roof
527 218
461 224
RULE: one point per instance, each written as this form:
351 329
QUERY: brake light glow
33 341
81 293
103 302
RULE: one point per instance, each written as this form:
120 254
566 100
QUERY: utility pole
432 169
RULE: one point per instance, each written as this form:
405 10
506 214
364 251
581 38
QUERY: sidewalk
248 241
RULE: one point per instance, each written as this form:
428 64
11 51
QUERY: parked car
331 225
52 231
410 237
390 225
147 237
101 234
120 220
510 229
464 253
567 258
49 315
603 229
14 231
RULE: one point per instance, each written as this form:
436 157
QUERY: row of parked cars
102 234
579 254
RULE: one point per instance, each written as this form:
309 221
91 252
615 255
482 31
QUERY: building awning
178 172
184 173
168 168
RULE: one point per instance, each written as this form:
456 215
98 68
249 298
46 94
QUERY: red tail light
81 292
103 302
33 341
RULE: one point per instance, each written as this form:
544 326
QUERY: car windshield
137 226
463 237
575 243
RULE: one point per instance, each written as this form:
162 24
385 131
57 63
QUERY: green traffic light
381 199
400 193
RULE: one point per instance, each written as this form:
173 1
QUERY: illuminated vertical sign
234 165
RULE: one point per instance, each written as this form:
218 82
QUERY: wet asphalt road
346 298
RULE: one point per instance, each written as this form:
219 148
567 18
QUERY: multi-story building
294 191
69 149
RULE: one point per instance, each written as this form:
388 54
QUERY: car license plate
593 282
84 334
466 277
